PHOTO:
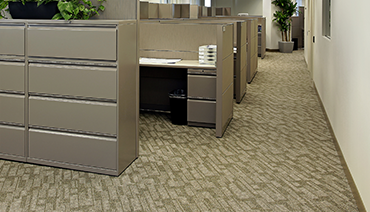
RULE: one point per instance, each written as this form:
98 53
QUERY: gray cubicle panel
161 40
72 109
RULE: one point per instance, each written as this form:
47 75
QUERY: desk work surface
180 64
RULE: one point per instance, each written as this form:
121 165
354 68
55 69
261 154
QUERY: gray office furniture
68 93
202 84
252 39
210 87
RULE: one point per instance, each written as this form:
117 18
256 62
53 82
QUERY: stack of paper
158 60
208 54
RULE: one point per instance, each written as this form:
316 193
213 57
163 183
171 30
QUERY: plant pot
286 46
30 10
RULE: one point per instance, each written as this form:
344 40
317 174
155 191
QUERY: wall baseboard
272 50
348 174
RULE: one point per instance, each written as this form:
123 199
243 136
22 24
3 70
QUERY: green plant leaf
66 16
57 16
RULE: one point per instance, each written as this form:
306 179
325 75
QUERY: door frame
309 34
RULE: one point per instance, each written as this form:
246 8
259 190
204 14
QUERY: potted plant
283 18
50 9
78 9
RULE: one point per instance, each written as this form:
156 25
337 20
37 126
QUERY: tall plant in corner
283 17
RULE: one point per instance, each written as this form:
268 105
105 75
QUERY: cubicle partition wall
211 11
202 11
240 52
209 87
165 11
185 11
149 10
252 41
261 37
223 11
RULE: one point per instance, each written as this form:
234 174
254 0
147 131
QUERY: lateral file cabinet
78 107
12 92
202 97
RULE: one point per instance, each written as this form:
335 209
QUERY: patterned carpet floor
276 155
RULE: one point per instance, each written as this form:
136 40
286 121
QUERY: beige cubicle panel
182 40
240 56
262 37
202 11
148 10
252 41
211 11
223 11
165 11
189 11
177 11
185 11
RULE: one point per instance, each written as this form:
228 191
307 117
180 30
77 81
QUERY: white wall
255 7
341 72
266 12
173 1
252 7
273 34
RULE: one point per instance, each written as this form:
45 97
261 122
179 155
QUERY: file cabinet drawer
72 148
84 116
202 87
72 42
202 111
12 108
96 82
12 76
12 140
14 42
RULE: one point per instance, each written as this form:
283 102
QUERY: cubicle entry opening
155 85
177 41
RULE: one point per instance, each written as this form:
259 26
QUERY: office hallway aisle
276 155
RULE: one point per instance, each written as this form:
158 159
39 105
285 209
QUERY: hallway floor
276 155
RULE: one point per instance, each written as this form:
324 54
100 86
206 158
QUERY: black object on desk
178 104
